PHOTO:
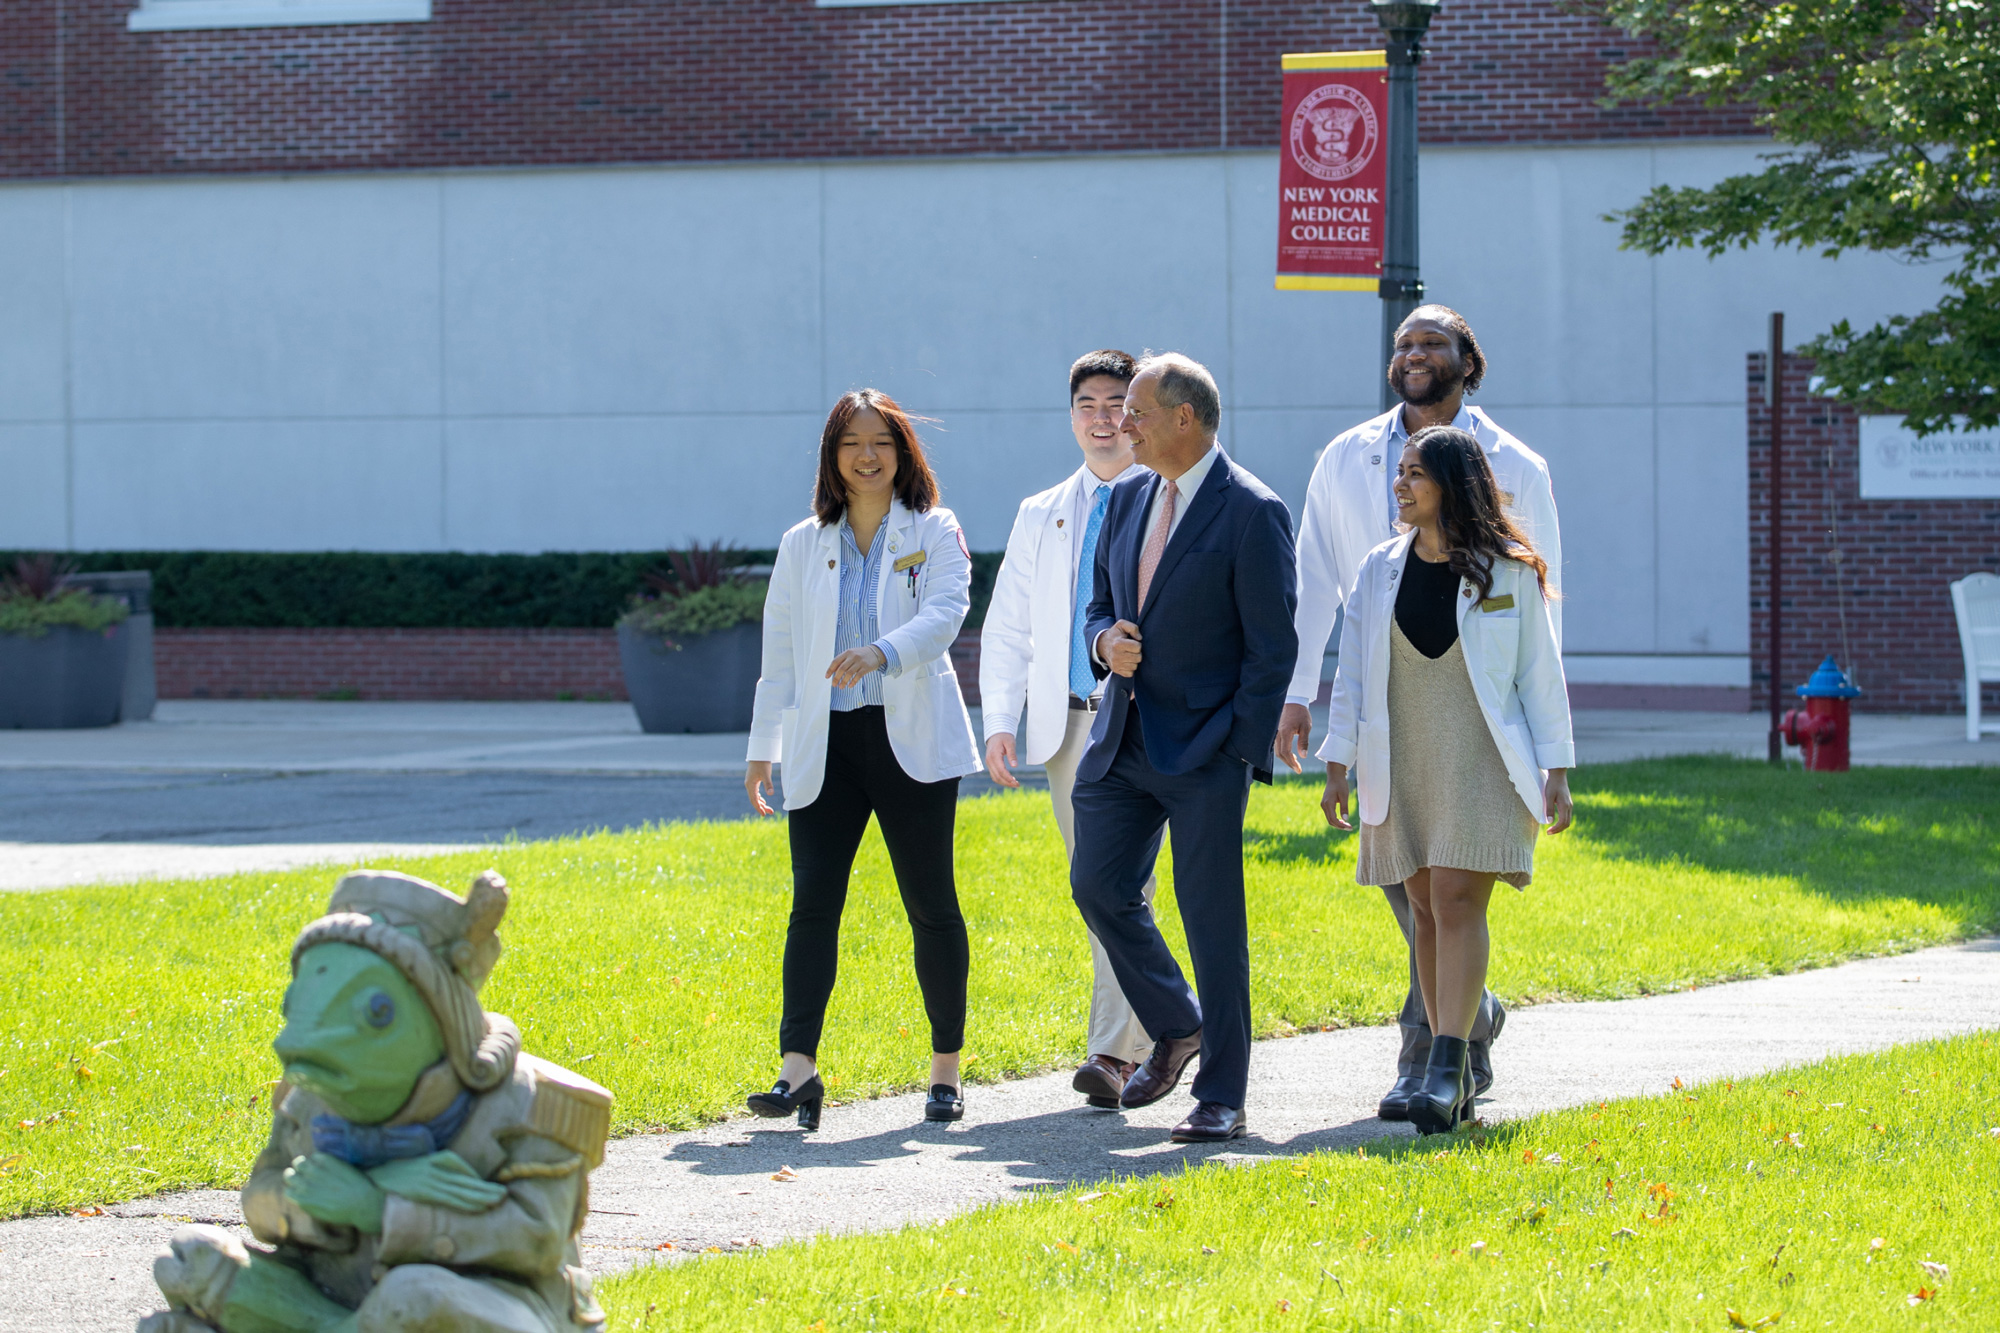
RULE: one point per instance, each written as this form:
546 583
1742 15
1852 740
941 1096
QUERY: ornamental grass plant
136 1020
34 599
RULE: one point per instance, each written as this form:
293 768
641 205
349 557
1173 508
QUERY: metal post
1774 398
1404 23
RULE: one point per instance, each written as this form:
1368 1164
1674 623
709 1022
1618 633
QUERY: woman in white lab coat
859 702
1449 703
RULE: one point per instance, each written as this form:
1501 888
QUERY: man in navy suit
1192 620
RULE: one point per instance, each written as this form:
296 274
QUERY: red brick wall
413 664
388 663
1894 560
518 82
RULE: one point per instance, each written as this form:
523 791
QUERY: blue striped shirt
858 624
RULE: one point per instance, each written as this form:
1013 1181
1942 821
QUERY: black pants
863 778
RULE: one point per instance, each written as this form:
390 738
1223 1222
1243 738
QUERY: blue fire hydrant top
1828 682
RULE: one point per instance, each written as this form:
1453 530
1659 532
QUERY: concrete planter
709 684
68 677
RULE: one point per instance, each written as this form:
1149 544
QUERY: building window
177 15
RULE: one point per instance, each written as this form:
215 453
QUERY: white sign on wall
1899 464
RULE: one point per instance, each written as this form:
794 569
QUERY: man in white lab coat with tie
1351 509
1032 656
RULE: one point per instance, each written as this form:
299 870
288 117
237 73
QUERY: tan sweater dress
1451 802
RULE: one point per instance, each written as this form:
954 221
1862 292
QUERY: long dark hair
1475 528
916 487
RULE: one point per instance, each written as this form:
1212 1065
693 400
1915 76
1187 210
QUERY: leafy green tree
1889 114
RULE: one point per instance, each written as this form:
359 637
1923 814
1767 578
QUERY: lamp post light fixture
1404 23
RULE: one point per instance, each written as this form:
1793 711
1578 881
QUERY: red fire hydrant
1820 728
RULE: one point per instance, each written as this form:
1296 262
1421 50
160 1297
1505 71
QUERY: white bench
1976 598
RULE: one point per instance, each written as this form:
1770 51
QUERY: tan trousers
1114 1028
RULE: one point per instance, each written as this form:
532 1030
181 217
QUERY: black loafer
946 1103
1212 1122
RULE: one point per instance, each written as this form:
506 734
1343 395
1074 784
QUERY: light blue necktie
1082 681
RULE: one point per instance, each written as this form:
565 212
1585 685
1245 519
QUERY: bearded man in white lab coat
1032 655
1350 509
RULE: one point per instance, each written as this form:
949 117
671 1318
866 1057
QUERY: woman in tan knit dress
1450 705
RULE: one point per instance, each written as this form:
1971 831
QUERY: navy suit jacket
1217 639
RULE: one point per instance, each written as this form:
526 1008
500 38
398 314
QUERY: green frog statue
424 1174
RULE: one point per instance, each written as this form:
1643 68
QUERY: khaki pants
1114 1028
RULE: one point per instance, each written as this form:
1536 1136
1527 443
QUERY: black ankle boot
1446 1096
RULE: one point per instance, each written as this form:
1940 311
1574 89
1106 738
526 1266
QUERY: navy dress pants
1119 820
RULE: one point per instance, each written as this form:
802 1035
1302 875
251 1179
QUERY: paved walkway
214 787
876 1165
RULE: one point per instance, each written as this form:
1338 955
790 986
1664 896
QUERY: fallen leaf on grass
1068 1248
1876 1244
8 1163
1623 1233
92 1211
1284 1306
666 1245
1938 1271
1208 1249
1920 1295
784 1173
1091 1197
1166 1199
1738 1321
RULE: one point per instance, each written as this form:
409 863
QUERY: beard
1444 381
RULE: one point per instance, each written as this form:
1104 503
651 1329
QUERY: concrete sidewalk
302 736
877 1165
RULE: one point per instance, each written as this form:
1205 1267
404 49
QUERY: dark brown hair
916 487
1105 361
1475 528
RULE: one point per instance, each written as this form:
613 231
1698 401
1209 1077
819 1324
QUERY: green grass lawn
1855 1195
135 1020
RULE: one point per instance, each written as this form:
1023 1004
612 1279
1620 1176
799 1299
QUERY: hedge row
352 589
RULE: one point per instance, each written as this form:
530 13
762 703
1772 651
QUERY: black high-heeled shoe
1445 1099
946 1103
781 1101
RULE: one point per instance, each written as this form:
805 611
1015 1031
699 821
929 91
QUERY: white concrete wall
605 359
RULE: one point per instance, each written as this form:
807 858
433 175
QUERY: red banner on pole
1333 171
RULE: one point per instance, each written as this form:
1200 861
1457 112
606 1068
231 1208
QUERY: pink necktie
1156 541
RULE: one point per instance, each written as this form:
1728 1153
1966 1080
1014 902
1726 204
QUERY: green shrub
32 617
703 611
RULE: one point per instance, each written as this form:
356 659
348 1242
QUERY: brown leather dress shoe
1212 1122
1161 1073
1101 1079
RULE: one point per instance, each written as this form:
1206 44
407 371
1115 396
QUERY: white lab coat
1033 602
1510 652
929 729
1347 516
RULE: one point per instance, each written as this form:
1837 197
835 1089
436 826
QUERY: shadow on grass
1924 834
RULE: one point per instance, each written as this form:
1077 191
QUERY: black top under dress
1427 605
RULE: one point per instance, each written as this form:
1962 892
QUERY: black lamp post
1404 23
